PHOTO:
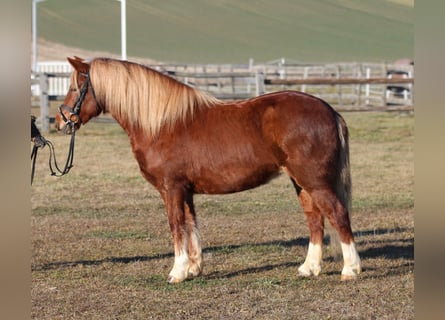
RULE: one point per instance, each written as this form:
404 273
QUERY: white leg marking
312 264
180 268
196 265
351 259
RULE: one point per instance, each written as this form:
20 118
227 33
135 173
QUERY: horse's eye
73 89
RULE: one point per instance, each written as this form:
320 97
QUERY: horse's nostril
67 129
59 126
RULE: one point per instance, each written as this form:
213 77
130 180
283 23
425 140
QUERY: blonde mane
145 97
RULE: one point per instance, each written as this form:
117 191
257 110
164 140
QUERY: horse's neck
128 127
134 132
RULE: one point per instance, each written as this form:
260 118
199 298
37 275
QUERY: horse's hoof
173 280
304 274
194 272
350 272
348 277
305 271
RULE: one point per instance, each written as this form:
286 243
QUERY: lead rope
41 142
33 159
69 160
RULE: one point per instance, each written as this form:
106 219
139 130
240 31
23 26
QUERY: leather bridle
74 112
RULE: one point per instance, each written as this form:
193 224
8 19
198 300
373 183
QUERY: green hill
234 30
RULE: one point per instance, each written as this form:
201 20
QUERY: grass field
101 246
233 31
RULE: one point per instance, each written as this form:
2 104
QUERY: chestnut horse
186 142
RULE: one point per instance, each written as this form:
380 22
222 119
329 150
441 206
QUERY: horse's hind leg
338 216
315 221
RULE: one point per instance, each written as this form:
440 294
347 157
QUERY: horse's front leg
194 239
174 201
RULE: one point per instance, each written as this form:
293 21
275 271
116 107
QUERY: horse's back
292 119
245 144
228 150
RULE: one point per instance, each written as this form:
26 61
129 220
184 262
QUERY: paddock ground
101 246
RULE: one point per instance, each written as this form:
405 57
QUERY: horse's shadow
392 249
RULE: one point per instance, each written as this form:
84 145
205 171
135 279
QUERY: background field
101 246
233 31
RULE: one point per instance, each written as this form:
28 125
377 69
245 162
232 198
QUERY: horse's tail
344 185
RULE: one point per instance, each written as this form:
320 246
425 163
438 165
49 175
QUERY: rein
41 142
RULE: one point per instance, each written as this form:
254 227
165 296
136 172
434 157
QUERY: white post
44 103
34 34
124 29
367 87
259 77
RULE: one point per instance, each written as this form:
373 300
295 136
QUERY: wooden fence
346 86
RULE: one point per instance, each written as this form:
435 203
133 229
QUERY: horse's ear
79 64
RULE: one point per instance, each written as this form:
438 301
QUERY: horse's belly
229 180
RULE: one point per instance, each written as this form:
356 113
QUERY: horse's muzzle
66 128
67 125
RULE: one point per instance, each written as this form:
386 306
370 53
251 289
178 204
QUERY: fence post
385 87
44 102
259 77
338 88
358 87
411 90
249 84
367 87
305 76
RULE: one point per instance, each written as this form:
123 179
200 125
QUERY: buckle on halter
73 117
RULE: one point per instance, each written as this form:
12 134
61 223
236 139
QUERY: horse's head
80 103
